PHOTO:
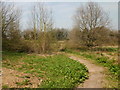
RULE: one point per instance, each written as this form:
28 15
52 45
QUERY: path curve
96 76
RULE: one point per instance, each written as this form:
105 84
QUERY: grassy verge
99 58
56 71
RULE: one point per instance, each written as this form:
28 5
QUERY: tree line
91 28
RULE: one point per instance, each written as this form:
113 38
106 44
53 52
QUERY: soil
14 79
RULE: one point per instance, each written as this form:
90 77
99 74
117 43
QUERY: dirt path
96 76
14 79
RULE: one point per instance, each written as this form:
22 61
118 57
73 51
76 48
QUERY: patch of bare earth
96 76
15 79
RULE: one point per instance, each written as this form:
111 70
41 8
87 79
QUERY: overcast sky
63 12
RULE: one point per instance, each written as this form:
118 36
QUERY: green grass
113 67
108 49
102 60
56 71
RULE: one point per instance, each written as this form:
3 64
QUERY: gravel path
96 76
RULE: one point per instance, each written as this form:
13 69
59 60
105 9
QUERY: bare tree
42 23
87 19
46 24
0 26
9 14
91 16
34 21
10 18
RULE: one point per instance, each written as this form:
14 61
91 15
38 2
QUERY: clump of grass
5 86
25 82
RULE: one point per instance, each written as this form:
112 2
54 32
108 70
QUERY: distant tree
74 38
88 19
45 24
61 34
42 24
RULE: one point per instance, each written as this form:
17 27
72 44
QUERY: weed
25 82
57 71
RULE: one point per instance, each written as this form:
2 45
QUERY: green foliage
56 71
